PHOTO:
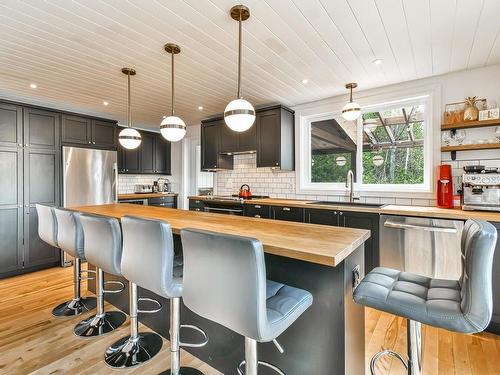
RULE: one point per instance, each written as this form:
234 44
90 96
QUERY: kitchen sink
354 204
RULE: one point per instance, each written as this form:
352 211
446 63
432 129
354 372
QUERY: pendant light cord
173 87
350 96
239 58
129 109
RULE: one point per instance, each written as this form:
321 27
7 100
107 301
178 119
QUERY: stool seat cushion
435 302
284 305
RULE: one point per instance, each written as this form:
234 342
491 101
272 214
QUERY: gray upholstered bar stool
225 281
103 249
152 267
463 305
70 239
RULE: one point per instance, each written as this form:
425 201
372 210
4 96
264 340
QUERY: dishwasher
424 246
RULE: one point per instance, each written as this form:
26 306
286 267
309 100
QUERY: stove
227 204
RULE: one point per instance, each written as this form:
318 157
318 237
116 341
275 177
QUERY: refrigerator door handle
115 172
398 225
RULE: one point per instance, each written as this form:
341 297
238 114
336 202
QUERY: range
229 205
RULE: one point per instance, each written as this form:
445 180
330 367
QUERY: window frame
313 112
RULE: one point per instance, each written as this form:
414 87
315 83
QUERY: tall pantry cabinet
29 174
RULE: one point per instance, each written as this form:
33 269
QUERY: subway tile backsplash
126 182
281 184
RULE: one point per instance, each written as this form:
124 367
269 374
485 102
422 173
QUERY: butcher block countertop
145 195
389 209
307 242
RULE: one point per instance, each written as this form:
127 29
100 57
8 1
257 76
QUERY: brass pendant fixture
239 114
172 127
351 110
129 138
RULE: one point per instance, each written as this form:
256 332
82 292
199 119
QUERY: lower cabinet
196 205
349 219
287 213
258 210
167 202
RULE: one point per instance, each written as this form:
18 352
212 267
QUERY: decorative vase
471 113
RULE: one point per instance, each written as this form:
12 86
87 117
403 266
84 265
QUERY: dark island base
327 339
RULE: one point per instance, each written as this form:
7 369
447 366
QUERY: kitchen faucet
350 185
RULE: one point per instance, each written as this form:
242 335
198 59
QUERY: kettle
245 192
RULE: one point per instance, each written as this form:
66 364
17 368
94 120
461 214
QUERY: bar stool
225 281
103 248
70 239
154 268
463 306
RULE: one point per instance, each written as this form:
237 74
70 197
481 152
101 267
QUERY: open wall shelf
470 125
482 146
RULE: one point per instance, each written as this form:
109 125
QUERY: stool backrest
47 224
69 232
148 256
478 247
225 280
102 242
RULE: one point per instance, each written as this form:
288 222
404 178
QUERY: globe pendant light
129 138
172 127
239 114
351 110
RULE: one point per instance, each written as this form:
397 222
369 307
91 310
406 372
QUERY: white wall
482 82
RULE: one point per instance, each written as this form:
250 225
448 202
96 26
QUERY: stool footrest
383 353
149 300
114 282
194 345
241 367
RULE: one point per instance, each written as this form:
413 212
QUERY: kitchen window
389 149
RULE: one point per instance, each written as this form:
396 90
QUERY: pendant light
172 127
239 114
351 110
129 138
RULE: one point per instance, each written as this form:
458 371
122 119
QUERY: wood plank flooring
34 342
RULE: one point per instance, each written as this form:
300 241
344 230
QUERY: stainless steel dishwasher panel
424 246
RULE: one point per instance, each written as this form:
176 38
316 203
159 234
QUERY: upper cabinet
212 158
80 130
275 138
153 156
271 137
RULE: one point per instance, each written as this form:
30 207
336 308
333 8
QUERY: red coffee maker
444 187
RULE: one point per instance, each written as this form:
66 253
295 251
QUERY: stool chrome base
98 325
183 371
75 307
128 352
414 345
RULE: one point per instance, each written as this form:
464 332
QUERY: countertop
390 209
308 242
146 195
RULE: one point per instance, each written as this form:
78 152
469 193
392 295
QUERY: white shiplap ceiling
74 50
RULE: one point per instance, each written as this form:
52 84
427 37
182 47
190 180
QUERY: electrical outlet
356 277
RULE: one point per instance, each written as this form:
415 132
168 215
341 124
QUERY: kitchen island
327 339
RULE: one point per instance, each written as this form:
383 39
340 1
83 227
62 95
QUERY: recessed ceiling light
305 81
33 85
377 61
200 108
105 103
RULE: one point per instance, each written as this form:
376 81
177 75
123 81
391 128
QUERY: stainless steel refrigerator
89 177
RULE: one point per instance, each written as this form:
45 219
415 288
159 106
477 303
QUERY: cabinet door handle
93 143
197 209
286 208
335 212
257 206
20 144
26 145
341 213
90 142
258 216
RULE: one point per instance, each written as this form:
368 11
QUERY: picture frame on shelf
489 114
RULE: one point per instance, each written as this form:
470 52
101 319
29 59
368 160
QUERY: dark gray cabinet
153 156
11 125
258 210
275 138
196 205
287 213
166 202
211 136
271 137
350 219
80 130
30 170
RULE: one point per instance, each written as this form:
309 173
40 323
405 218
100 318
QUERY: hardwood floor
444 352
34 342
